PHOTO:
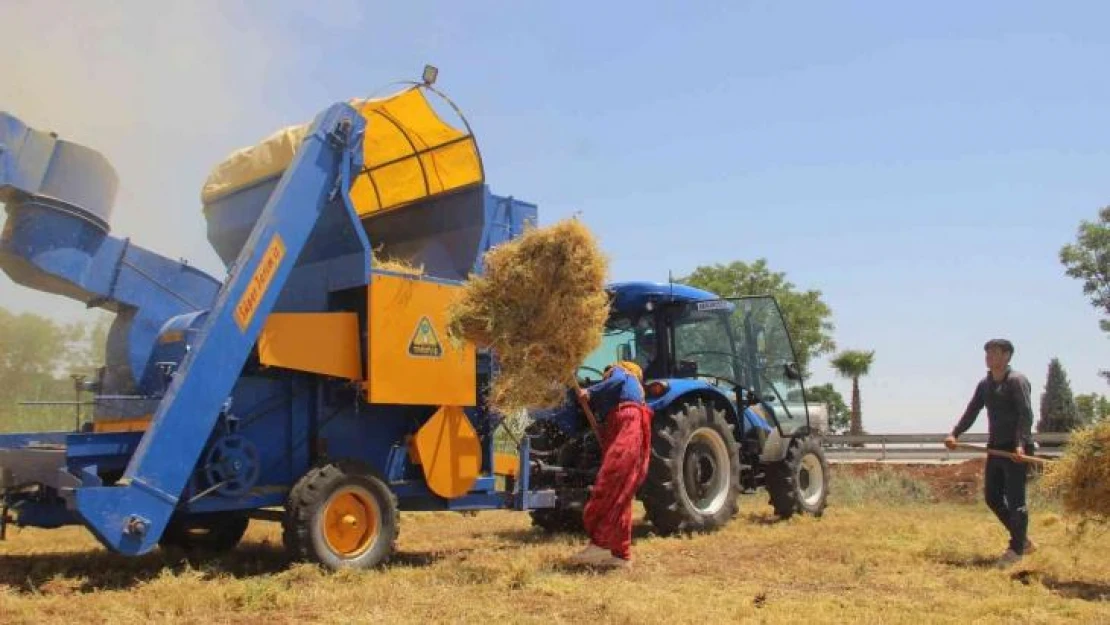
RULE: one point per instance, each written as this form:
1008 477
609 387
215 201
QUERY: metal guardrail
919 447
925 439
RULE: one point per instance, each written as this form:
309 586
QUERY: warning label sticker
425 343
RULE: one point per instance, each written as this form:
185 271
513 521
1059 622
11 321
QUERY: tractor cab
684 337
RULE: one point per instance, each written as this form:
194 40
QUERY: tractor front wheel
694 477
800 482
341 515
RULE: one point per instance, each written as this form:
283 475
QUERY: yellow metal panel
122 425
505 464
411 153
450 452
324 343
411 360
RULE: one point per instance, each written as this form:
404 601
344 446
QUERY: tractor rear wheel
213 532
341 515
694 477
800 482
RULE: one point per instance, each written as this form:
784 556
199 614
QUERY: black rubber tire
669 506
558 521
302 527
785 482
214 532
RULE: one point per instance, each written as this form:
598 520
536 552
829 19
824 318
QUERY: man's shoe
591 556
1030 547
1008 559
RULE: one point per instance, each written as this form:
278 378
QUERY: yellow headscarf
632 368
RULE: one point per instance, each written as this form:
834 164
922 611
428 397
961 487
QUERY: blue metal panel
33 439
371 432
505 218
679 388
491 501
130 519
306 406
51 250
253 501
83 449
632 297
232 218
38 163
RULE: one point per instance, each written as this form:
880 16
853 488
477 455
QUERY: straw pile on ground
541 305
1081 478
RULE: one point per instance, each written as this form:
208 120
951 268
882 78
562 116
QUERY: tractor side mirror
790 370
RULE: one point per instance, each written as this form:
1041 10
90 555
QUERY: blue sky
920 164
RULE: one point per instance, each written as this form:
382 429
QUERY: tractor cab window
703 345
624 338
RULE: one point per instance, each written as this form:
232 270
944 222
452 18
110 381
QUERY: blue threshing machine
315 386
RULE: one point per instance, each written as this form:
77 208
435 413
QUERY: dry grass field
884 553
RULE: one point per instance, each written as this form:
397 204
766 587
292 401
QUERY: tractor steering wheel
600 374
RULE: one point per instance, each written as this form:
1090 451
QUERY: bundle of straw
541 306
1081 478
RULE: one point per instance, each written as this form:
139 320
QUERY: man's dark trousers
1004 486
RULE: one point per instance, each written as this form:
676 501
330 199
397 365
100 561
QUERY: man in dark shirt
1005 394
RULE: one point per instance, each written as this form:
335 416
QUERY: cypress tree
1058 410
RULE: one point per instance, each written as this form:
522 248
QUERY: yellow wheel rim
351 522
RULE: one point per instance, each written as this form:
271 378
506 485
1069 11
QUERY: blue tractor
730 413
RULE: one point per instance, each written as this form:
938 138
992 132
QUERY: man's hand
1019 454
950 442
583 395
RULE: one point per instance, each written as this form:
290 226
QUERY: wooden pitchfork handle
1004 454
589 415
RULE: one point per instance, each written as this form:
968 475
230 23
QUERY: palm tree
854 364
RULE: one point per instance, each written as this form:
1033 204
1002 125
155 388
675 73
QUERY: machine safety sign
260 281
425 343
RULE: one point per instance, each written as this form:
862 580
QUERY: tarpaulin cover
410 154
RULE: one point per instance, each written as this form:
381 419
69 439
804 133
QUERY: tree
854 364
87 353
807 316
1092 408
37 356
1088 259
839 415
1058 410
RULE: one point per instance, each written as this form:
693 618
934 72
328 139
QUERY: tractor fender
679 391
776 447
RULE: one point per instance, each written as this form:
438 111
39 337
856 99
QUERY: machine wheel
694 477
341 515
800 482
214 532
558 521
